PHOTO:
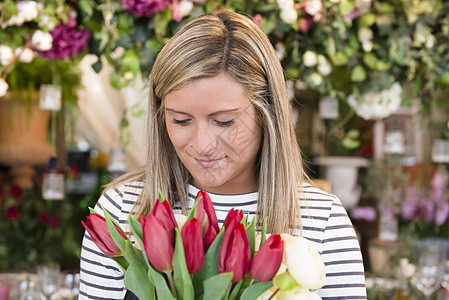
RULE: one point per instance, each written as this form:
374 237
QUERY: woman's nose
204 141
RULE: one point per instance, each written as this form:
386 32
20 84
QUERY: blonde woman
219 120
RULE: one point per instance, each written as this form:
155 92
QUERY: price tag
53 186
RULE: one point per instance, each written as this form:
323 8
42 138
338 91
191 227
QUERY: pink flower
258 20
144 8
12 213
16 191
176 11
67 41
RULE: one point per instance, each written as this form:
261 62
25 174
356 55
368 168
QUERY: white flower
42 40
298 293
367 46
118 52
289 16
377 105
45 22
180 220
6 55
186 7
323 65
365 34
28 10
310 58
280 50
303 262
3 87
25 55
316 79
313 7
285 4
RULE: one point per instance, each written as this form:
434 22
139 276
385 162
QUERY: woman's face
214 130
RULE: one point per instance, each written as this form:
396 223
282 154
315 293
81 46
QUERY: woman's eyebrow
212 114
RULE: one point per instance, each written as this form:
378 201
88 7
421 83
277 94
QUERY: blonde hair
205 47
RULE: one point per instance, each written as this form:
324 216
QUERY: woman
219 120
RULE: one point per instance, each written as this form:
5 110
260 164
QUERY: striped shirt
325 224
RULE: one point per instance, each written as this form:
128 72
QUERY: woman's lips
208 163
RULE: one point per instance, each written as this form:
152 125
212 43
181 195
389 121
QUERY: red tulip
233 218
193 245
205 207
157 242
267 261
97 227
235 254
164 214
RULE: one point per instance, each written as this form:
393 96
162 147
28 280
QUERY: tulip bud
235 253
164 214
266 262
157 243
303 262
192 241
233 218
97 228
205 207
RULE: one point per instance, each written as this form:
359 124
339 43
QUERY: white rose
323 65
298 293
313 7
25 55
180 220
316 79
365 34
3 87
42 40
185 7
28 9
289 16
6 55
285 4
367 46
310 58
303 262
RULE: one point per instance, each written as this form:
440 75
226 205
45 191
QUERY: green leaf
251 234
358 74
236 290
370 60
92 211
87 7
162 289
183 283
210 264
339 59
118 239
136 278
346 7
216 286
255 290
192 211
367 20
264 231
160 196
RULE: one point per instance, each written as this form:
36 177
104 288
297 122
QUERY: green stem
171 282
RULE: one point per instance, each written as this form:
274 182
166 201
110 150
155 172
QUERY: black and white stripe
325 224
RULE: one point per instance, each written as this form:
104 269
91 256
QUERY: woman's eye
225 123
184 122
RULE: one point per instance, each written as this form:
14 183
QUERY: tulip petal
98 230
267 261
235 255
157 244
192 241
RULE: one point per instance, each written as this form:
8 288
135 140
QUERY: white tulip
303 262
25 55
42 40
3 87
310 58
6 55
298 293
180 220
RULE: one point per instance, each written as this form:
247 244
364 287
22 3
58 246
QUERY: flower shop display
40 43
177 257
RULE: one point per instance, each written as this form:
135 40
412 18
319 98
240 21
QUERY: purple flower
410 204
67 41
366 213
427 209
144 8
442 213
439 185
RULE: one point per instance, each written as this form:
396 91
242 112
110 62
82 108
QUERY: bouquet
191 257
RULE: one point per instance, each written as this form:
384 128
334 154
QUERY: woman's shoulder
312 195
